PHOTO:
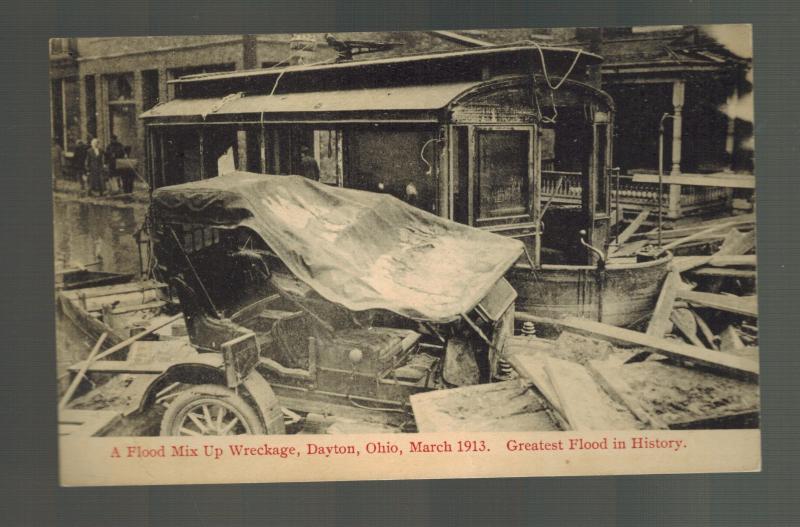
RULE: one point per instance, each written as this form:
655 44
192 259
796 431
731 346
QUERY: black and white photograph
528 233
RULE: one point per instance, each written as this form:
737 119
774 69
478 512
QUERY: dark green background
27 414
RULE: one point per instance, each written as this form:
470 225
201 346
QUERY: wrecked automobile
299 298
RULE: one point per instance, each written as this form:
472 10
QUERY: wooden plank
730 340
86 422
735 243
706 331
713 360
701 180
81 372
738 260
723 272
139 307
112 290
531 367
585 405
741 305
608 377
121 366
632 228
127 342
659 322
631 248
501 406
687 325
681 264
710 230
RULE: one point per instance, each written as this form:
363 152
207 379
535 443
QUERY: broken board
585 405
714 360
509 406
86 423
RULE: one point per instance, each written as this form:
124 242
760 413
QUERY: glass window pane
502 173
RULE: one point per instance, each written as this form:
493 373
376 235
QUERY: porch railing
565 188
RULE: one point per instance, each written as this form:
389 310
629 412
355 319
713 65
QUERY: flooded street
88 231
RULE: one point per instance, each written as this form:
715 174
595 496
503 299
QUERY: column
163 88
82 104
678 89
678 92
138 94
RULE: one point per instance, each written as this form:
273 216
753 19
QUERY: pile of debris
694 364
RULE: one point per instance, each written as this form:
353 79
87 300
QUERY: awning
402 98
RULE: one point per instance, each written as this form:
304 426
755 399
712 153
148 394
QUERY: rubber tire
171 417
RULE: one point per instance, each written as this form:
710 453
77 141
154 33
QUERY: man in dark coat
308 165
79 162
95 165
114 151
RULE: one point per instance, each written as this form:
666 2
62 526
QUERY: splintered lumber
585 405
508 406
736 243
659 322
86 423
127 342
722 272
706 331
531 367
730 340
687 325
741 305
633 227
79 377
681 264
630 248
748 218
607 375
712 360
743 260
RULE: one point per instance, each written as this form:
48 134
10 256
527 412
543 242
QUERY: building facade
100 86
673 86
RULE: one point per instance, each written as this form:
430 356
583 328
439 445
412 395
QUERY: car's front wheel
210 410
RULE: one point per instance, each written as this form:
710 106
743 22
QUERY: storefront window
502 187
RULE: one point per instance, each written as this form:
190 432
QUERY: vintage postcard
393 255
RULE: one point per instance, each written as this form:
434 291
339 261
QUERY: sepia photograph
529 233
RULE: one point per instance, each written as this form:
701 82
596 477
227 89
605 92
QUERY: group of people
98 169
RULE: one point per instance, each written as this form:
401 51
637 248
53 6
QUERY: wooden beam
714 360
619 390
79 377
127 342
531 367
687 325
632 227
701 180
744 260
736 243
659 322
741 305
747 218
706 331
585 405
723 272
730 340
681 264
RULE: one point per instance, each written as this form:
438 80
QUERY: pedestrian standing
308 165
114 151
95 166
79 162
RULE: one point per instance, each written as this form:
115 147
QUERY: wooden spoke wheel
210 410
